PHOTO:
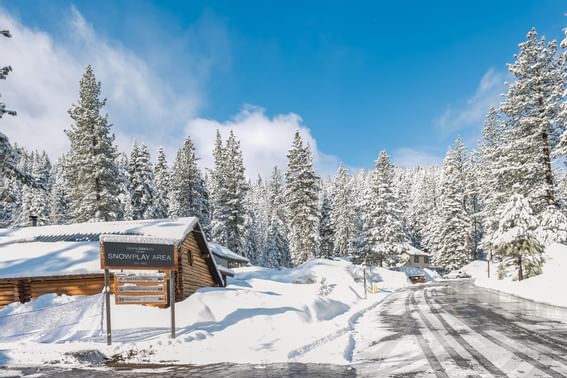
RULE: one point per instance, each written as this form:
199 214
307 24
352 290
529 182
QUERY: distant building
417 258
227 259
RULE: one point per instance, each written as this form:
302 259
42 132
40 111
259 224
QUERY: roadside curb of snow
294 354
496 291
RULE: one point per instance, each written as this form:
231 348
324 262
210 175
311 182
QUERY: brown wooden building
65 259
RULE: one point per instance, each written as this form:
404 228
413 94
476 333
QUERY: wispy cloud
473 111
410 157
265 140
142 101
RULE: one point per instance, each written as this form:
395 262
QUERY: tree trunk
550 195
520 272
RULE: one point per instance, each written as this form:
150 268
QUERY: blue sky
405 76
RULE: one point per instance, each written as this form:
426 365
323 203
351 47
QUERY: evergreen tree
229 189
552 226
326 232
189 196
302 198
342 212
515 242
384 224
39 197
532 107
141 183
91 163
124 210
277 243
453 248
59 200
162 186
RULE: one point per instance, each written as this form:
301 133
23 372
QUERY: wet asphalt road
447 329
454 329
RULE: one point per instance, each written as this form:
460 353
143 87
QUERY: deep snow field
304 314
547 287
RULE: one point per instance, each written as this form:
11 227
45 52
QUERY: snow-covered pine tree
384 219
218 197
252 237
552 226
532 107
91 162
326 230
39 197
124 211
302 187
59 201
188 196
515 242
235 191
277 246
277 243
562 116
359 246
453 239
162 185
141 182
342 212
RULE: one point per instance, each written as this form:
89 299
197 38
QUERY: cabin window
426 259
416 259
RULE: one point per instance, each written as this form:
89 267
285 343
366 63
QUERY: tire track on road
545 344
438 369
523 356
461 362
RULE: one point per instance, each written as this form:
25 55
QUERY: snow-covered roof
225 271
165 229
225 253
74 249
48 258
412 251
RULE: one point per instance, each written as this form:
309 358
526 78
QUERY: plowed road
454 329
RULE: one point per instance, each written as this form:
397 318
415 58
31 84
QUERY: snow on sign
119 255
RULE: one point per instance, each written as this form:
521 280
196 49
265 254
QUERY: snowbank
545 288
303 314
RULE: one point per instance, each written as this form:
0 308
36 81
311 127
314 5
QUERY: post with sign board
138 288
107 306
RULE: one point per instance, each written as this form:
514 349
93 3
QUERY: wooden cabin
65 259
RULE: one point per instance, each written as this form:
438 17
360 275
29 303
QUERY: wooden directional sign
119 255
140 289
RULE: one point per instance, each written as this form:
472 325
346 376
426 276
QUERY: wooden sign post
127 253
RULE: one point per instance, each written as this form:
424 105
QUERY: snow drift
264 315
545 288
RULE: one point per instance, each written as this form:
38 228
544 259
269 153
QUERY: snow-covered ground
545 288
304 314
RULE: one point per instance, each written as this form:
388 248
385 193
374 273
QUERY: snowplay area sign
138 256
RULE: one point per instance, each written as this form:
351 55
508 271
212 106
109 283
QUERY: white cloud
264 141
409 157
473 111
45 82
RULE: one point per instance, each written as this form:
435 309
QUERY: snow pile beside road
545 288
303 314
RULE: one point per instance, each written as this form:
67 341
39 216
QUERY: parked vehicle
457 274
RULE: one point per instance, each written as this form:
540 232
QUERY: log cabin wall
23 290
194 269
